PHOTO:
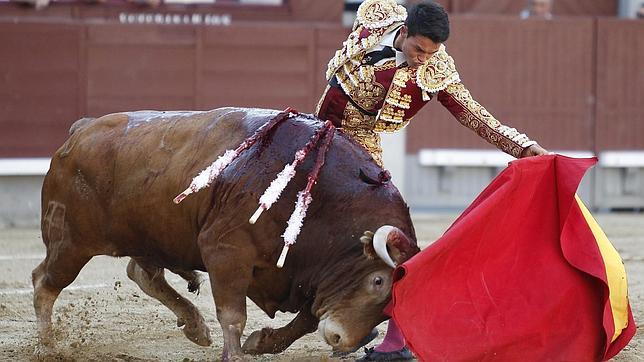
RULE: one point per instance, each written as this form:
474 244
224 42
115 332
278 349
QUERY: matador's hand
534 150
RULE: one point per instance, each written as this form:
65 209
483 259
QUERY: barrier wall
571 83
514 7
53 74
620 84
219 11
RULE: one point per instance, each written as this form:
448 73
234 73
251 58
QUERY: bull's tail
79 124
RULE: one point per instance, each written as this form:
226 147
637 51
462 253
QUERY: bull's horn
380 244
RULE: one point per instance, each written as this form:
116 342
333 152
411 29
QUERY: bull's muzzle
336 336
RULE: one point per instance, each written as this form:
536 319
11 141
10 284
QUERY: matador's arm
457 99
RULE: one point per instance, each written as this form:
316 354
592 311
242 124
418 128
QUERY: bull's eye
377 281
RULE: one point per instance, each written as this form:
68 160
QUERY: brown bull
109 191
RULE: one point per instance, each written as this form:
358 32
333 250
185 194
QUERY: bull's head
351 308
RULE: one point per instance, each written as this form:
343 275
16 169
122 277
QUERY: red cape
520 275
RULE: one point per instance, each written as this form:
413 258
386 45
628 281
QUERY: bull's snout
334 338
335 335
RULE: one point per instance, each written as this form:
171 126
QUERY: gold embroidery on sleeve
485 125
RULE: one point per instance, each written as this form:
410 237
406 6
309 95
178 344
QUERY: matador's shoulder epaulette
373 14
375 18
438 72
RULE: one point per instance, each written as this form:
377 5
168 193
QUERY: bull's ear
367 242
393 246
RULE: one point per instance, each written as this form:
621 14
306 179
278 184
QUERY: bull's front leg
268 340
230 265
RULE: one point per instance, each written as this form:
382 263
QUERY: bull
109 191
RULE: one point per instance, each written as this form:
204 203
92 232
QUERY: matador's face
417 49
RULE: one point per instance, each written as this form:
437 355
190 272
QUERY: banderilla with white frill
274 190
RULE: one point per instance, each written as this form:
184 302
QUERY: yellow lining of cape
615 273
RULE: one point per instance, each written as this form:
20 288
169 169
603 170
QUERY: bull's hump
258 112
256 116
139 118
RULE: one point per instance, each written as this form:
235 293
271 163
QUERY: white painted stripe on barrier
20 291
477 158
24 166
621 159
452 157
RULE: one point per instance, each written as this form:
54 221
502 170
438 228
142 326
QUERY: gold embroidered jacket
365 99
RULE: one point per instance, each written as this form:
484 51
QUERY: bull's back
115 177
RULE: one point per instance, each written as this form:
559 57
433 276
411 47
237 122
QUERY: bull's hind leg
151 280
61 266
58 270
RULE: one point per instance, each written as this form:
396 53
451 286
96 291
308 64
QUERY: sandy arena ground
104 316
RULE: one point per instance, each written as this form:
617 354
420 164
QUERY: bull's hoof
254 342
43 352
196 330
227 356
259 343
233 359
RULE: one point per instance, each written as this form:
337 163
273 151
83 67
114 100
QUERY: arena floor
104 316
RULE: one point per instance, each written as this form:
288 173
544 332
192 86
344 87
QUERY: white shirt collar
388 41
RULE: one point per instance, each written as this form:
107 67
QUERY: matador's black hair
430 20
